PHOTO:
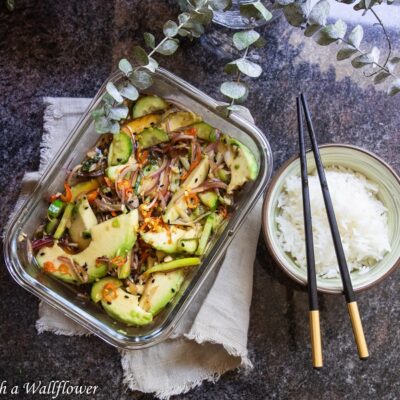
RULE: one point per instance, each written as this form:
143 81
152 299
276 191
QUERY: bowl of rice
365 193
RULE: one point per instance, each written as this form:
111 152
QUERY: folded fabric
212 336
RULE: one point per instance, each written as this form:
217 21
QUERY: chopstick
352 306
315 331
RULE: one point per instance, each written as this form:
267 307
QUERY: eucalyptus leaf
331 33
97 113
242 111
125 66
234 90
115 128
149 39
366 59
380 77
10 4
141 79
346 52
113 92
391 65
248 67
255 10
107 99
102 125
118 112
140 55
319 13
168 47
204 16
152 65
220 5
297 13
394 88
242 40
170 29
129 92
356 36
311 30
285 2
183 18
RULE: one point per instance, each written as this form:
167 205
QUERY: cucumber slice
151 136
205 131
205 236
120 149
66 218
209 199
147 105
187 245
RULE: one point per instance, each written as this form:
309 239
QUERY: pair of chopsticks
344 271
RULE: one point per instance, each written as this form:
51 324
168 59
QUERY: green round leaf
248 68
356 36
244 39
319 13
380 77
125 66
170 29
140 55
97 113
113 92
183 18
366 59
168 47
331 33
234 90
394 88
297 13
129 92
149 39
346 52
220 5
118 112
141 79
255 10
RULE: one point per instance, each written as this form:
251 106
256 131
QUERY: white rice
361 217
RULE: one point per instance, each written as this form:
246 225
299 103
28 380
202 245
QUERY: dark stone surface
67 48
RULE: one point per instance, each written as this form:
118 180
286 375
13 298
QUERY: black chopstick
315 331
341 258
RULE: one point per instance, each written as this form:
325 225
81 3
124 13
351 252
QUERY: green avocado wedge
148 105
160 290
125 308
96 292
109 239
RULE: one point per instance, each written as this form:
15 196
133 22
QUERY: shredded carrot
68 193
125 185
109 292
142 157
113 213
191 132
48 266
192 200
168 229
92 196
194 164
108 182
64 269
54 197
118 261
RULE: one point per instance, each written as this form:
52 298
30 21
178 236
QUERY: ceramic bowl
358 160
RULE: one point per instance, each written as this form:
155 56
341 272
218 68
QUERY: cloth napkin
211 338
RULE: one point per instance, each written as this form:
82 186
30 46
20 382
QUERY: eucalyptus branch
389 43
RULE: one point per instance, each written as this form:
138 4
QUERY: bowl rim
265 218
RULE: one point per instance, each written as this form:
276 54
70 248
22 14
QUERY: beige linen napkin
211 338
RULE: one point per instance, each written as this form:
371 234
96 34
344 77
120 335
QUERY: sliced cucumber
120 149
151 136
205 236
187 245
205 131
209 199
147 105
65 220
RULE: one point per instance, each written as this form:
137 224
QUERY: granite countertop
68 48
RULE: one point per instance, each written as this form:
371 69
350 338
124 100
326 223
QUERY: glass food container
73 300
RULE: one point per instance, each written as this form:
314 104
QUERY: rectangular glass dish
71 300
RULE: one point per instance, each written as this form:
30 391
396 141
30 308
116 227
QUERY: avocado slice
209 199
179 120
83 187
205 235
147 105
167 239
125 308
205 131
120 149
240 160
160 290
82 223
151 136
124 271
96 292
138 124
108 240
195 179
